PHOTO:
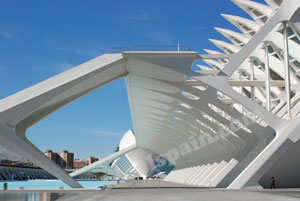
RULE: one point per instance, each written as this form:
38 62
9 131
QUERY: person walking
273 183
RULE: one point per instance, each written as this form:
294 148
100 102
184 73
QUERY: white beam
287 71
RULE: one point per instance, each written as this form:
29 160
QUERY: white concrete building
231 123
137 163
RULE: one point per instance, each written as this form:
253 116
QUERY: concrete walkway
153 190
180 195
163 194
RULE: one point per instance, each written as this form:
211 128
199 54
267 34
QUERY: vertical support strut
252 87
252 78
241 91
267 77
287 71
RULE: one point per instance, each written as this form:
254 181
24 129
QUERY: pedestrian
273 183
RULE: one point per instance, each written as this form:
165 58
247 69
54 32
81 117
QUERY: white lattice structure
224 124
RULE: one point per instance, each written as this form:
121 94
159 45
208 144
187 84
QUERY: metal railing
175 48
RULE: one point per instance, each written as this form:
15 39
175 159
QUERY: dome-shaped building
139 162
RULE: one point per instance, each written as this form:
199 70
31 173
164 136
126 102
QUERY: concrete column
241 91
287 71
267 78
253 87
252 78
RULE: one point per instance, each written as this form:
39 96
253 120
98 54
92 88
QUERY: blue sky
39 39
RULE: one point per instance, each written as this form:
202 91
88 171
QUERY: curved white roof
127 140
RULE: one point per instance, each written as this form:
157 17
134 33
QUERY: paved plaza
186 194
164 194
153 190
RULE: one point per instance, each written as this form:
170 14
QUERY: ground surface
151 191
180 195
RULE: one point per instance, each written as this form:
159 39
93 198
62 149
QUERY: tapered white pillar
287 71
241 91
252 87
252 78
267 78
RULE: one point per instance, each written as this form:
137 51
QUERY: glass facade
163 166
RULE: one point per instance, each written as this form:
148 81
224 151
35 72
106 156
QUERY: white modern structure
129 162
137 163
231 123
